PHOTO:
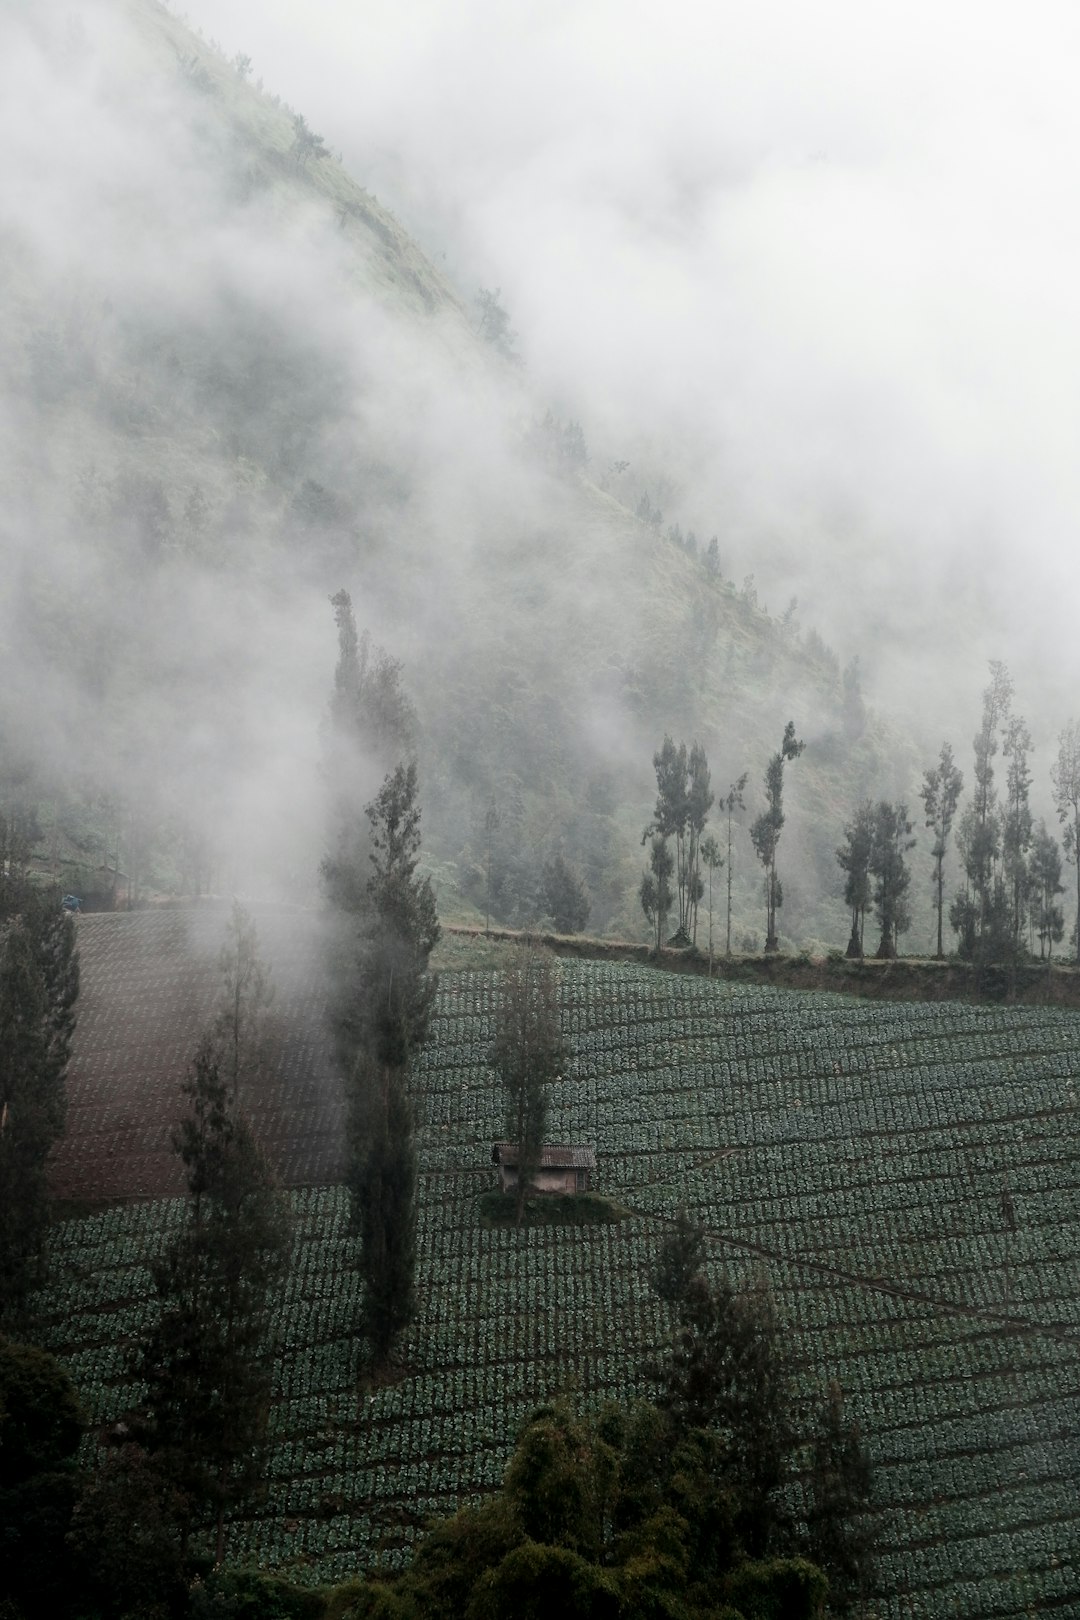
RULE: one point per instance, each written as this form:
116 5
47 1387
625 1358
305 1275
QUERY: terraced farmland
907 1174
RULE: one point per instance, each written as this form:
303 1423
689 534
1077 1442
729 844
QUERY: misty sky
818 263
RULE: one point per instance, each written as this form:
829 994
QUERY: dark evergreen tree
679 1261
206 1363
527 1054
940 794
890 843
841 1497
766 830
41 1425
382 1185
728 1374
39 983
854 860
387 1021
565 897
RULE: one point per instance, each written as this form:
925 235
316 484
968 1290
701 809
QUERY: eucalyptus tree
684 798
1065 775
1048 919
732 801
890 843
853 857
766 830
1018 824
655 889
713 861
981 840
940 793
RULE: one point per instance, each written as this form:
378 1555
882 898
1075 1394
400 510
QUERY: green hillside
859 1155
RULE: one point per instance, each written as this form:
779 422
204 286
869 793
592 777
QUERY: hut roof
551 1158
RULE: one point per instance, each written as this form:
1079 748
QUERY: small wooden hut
561 1169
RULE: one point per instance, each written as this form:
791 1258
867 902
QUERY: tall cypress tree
388 1020
385 929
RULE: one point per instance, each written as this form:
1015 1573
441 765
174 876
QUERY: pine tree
206 1363
527 1054
766 830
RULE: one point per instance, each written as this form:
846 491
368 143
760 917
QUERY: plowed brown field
149 984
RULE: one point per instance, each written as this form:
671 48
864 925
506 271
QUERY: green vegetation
563 1209
856 1152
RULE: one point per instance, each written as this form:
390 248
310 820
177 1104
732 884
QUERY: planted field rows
906 1174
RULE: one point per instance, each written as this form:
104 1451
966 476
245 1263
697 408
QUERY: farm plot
907 1175
148 986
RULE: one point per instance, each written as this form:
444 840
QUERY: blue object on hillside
71 902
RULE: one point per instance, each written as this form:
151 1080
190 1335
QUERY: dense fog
802 284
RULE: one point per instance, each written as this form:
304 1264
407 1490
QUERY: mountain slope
235 385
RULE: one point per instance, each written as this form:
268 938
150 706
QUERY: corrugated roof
551 1158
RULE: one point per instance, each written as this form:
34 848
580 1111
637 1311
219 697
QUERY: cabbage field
907 1176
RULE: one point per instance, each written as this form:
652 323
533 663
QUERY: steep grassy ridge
858 1154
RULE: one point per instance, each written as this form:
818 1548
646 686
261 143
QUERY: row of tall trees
1011 865
680 850
386 927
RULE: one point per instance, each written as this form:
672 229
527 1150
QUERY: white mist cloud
822 259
